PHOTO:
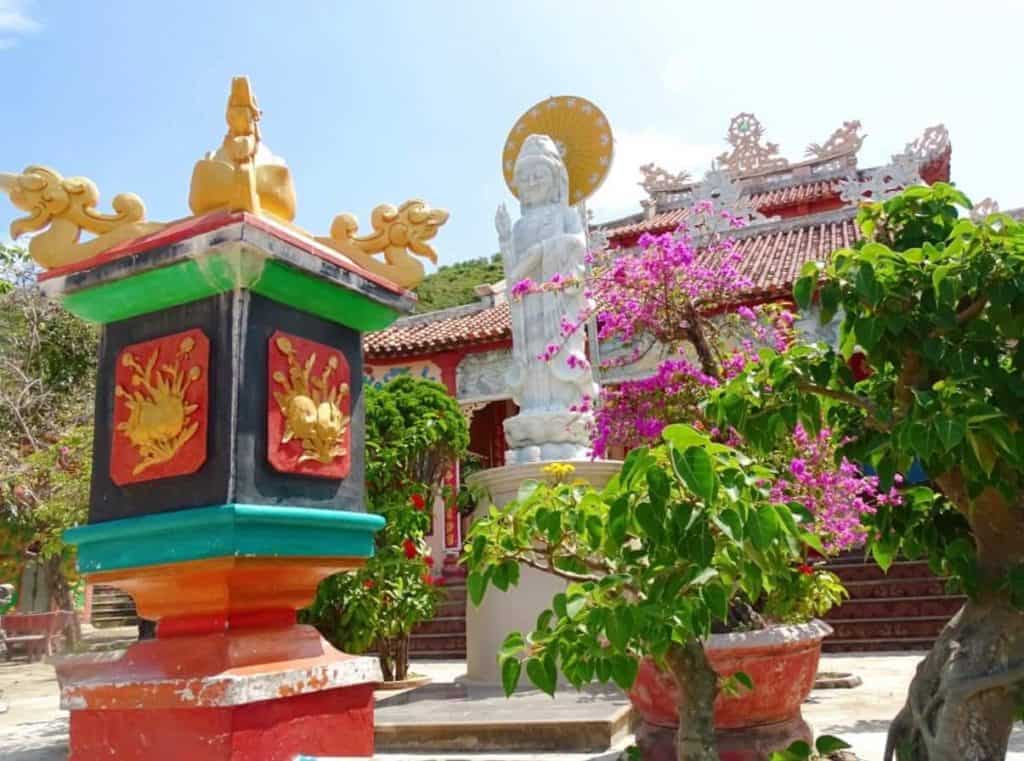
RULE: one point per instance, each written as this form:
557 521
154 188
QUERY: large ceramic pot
782 662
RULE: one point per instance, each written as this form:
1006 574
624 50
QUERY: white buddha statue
547 240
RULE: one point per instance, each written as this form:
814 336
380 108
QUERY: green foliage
803 596
414 433
47 364
935 301
801 751
46 495
654 559
453 284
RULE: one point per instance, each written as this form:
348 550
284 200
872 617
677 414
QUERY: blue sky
374 102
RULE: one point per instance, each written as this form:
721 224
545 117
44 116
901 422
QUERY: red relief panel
161 406
308 408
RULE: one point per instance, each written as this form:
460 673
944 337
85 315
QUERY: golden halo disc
580 131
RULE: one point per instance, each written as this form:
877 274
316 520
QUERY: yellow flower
559 470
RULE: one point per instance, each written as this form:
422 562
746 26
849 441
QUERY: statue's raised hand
503 224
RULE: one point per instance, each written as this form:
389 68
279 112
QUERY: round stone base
517 609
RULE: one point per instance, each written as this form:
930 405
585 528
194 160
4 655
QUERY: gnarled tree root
962 702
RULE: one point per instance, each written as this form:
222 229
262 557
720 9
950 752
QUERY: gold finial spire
243 175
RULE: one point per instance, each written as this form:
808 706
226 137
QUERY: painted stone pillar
227 483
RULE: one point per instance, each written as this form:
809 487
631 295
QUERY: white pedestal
517 609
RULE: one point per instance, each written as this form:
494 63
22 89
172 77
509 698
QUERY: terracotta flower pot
781 660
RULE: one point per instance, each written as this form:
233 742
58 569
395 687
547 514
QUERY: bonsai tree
415 433
934 302
677 544
693 536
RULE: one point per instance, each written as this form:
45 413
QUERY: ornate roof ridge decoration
983 208
748 155
721 199
902 172
846 140
658 179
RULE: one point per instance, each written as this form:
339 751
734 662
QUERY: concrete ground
35 729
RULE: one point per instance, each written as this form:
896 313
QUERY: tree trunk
61 591
962 702
698 687
386 658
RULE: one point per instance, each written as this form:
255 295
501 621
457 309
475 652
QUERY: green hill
452 285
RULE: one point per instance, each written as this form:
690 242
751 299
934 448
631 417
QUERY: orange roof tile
437 331
772 259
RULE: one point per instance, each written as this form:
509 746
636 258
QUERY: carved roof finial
748 155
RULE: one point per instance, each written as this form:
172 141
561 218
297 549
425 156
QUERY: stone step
896 608
438 645
451 609
893 588
850 571
918 628
442 625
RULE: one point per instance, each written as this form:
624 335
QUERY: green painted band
220 272
223 531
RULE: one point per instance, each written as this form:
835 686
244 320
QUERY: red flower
417 501
410 548
432 581
805 569
368 584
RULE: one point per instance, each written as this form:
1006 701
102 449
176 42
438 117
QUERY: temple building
795 212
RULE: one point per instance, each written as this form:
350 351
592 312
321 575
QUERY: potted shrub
415 433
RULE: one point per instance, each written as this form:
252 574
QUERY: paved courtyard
35 729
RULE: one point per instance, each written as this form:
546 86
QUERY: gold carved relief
311 405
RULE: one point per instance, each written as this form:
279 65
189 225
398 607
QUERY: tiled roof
771 258
767 201
436 331
804 193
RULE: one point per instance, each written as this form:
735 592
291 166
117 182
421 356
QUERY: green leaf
828 744
762 527
697 470
867 285
624 670
743 678
542 674
619 627
951 431
803 290
699 546
983 451
476 585
575 604
883 551
682 436
512 645
510 670
717 600
829 299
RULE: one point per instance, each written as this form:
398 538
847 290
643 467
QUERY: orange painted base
335 723
224 586
253 694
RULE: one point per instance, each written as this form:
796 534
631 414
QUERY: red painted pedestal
210 688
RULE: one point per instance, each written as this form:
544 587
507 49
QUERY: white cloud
15 22
676 74
621 193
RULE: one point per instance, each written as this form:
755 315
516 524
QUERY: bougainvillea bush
695 535
935 303
415 433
